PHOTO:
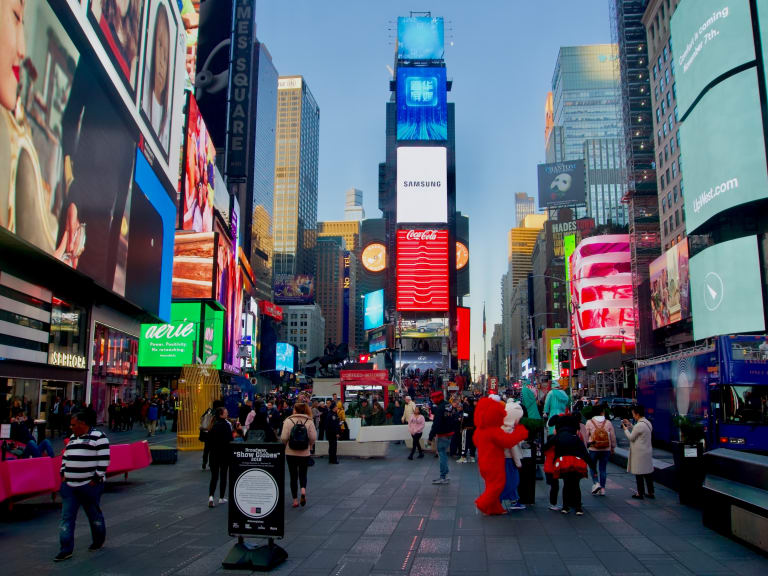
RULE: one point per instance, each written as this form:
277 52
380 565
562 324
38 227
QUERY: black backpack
299 438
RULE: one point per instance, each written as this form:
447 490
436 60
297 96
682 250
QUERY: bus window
745 404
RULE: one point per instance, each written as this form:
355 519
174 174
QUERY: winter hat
495 397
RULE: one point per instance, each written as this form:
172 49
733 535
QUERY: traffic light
565 368
562 355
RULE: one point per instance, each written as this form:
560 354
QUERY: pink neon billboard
602 318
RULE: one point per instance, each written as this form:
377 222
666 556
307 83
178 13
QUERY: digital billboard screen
462 332
373 304
726 289
420 38
193 265
603 318
197 194
562 183
422 104
709 38
422 270
294 289
284 354
670 296
725 143
173 344
423 328
422 184
84 194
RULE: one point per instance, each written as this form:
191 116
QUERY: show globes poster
256 488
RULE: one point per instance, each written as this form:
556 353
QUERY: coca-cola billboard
272 310
422 270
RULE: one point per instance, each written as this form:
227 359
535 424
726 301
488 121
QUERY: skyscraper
586 100
524 205
296 173
353 209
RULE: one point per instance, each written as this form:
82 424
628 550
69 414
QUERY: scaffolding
199 386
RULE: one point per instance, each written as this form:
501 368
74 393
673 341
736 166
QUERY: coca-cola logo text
421 235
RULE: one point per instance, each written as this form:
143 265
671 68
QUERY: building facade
304 327
349 230
520 244
353 207
296 173
524 205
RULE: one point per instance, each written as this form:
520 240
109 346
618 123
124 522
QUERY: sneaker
555 507
440 481
210 502
410 457
565 511
602 491
223 500
595 489
579 512
472 460
517 506
637 496
62 556
461 460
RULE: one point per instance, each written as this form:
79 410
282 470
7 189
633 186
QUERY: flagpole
484 361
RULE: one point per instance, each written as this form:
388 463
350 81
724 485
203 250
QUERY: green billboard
709 38
726 289
174 344
723 150
213 331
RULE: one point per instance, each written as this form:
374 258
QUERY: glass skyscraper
586 123
296 174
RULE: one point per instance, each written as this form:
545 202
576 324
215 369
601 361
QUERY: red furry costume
490 441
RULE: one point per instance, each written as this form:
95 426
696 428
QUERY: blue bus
724 386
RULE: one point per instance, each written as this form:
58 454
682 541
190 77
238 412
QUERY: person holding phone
640 461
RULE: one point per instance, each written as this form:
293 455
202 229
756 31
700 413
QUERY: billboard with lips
603 318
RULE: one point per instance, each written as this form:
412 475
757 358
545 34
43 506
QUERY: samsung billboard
422 184
562 183
422 108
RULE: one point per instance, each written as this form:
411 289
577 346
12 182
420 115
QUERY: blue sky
500 55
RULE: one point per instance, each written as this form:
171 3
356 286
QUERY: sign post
256 505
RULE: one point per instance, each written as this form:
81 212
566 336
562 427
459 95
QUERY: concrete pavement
379 517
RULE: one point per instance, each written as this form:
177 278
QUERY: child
512 459
571 461
549 466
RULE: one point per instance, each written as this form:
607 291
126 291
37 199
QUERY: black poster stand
256 505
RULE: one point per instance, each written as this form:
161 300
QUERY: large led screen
284 357
193 265
562 183
373 304
462 332
229 293
722 143
76 182
423 328
173 344
420 38
197 194
422 185
294 289
670 296
726 290
422 270
709 38
422 109
603 318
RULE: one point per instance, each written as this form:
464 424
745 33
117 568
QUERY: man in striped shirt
83 471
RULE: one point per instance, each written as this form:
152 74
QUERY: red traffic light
364 358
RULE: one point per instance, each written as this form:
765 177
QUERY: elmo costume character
491 441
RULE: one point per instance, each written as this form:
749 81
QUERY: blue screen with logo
374 310
422 109
420 38
284 357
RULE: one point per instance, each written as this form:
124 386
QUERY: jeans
72 498
600 458
297 470
163 424
467 446
443 446
35 450
513 481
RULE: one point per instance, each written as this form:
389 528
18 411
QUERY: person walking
444 425
640 461
601 441
219 438
555 403
332 432
407 410
83 471
571 461
299 436
153 413
416 429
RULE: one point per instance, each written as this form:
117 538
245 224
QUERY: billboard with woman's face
198 178
117 23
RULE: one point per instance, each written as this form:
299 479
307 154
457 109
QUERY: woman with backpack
601 441
219 438
299 435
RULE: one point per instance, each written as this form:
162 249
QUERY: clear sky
500 55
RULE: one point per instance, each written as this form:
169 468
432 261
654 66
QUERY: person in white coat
512 459
640 452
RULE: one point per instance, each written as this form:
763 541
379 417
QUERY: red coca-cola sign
271 310
422 270
421 235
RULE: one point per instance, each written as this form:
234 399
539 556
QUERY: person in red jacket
490 441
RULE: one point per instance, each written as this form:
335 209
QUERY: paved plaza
378 517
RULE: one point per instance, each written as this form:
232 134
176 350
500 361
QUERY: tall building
524 205
329 285
353 208
661 73
640 174
520 244
263 172
304 327
585 109
296 172
347 229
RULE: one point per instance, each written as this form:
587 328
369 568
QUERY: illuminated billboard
670 296
422 104
284 357
294 289
462 255
197 194
710 38
726 289
173 344
373 304
557 230
462 332
422 185
374 257
193 265
423 328
603 318
723 138
420 38
562 183
422 270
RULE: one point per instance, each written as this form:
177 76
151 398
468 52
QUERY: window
676 118
669 200
674 169
666 50
669 99
659 136
662 181
661 160
655 71
674 193
666 74
666 231
658 115
664 129
659 63
677 138
663 204
672 146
